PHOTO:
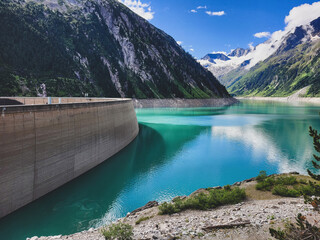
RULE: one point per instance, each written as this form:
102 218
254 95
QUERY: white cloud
193 11
302 15
142 9
256 140
179 42
191 49
219 52
298 16
220 13
202 7
250 45
262 35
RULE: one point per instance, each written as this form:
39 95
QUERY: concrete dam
46 142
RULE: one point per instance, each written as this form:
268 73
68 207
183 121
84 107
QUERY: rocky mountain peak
214 56
239 52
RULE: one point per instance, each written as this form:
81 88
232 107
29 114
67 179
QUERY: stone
147 206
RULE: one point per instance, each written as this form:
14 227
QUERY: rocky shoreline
308 100
183 103
250 219
253 218
294 98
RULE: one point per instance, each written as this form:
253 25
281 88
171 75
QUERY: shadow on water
83 202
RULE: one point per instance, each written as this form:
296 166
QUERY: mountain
294 65
214 56
239 52
98 47
287 62
220 63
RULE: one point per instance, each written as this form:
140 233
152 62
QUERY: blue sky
233 23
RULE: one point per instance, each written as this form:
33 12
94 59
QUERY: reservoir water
176 152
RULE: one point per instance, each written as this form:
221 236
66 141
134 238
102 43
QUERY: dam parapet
43 145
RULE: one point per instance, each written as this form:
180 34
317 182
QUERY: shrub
307 190
303 181
276 184
279 186
266 184
119 231
168 208
214 198
284 191
262 176
286 180
301 230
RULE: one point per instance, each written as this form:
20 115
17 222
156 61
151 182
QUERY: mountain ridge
98 47
291 65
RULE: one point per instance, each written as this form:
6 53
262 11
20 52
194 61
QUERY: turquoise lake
176 152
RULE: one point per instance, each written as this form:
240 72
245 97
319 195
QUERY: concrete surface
183 103
44 146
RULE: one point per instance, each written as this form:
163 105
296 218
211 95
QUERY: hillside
295 65
70 48
287 62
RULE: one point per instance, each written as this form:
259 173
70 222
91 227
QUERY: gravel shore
256 216
295 98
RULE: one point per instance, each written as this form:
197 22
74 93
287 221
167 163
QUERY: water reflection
176 152
284 141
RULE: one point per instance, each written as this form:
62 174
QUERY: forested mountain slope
99 47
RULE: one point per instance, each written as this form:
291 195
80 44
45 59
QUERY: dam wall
44 146
183 103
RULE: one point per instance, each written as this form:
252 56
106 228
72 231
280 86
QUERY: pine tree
316 143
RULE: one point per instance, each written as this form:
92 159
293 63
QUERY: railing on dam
43 146
52 100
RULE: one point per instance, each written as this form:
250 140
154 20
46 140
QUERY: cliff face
102 48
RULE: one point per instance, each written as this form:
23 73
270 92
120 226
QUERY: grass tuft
142 219
203 201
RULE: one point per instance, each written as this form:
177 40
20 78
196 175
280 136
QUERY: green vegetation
119 231
211 199
284 191
142 219
72 51
280 75
286 186
301 230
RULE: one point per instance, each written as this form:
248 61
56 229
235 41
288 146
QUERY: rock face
212 56
239 52
73 47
